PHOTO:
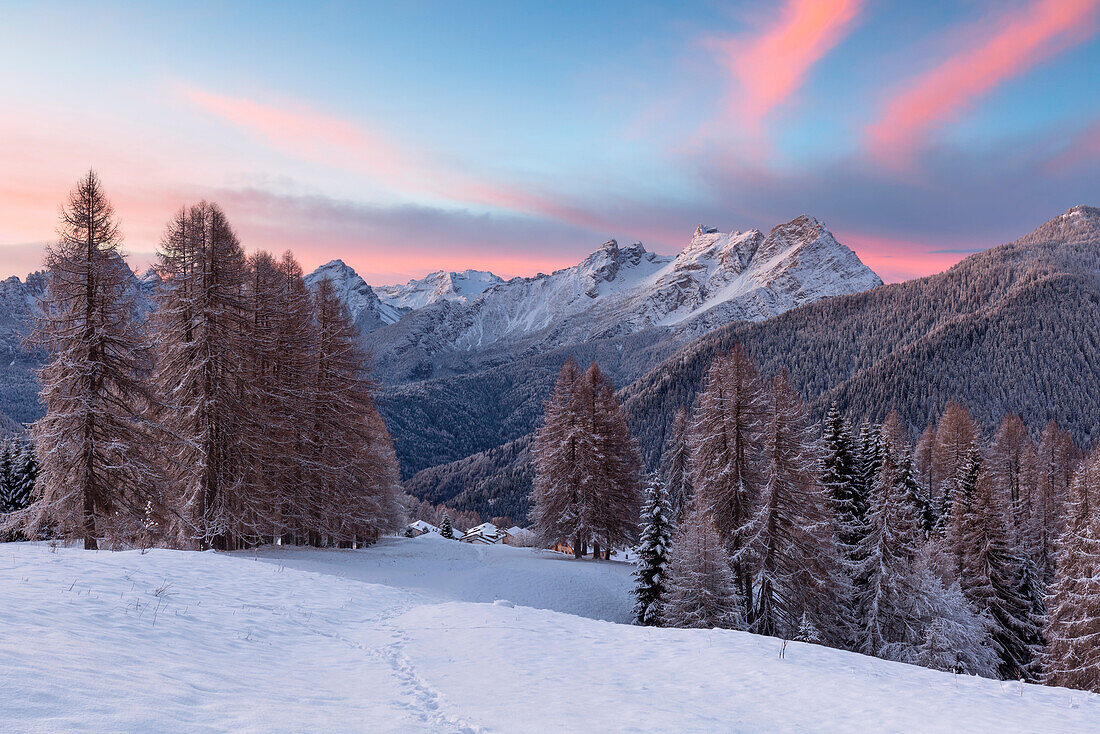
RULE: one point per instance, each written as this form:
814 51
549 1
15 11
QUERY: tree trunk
578 551
607 553
596 551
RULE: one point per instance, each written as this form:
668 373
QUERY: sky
516 137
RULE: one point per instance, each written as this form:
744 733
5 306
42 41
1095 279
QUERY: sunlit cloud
1012 45
770 66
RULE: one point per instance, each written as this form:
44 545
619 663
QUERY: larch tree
95 474
922 464
557 494
292 368
726 432
956 436
701 589
1010 463
354 486
789 539
655 540
587 469
204 407
677 466
1072 657
613 468
1055 460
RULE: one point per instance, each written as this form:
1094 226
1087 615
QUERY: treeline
239 413
945 549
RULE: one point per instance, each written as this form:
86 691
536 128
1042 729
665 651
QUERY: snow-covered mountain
368 311
620 290
438 286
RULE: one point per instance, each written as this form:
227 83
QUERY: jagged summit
622 289
439 286
368 312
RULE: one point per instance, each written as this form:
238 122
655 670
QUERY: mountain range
1015 328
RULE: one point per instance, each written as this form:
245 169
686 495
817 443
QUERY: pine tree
923 466
653 549
790 540
839 476
445 528
25 477
807 631
725 444
868 463
94 479
677 467
888 590
8 478
701 586
952 637
1072 658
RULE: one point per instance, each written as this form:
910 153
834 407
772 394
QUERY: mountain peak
1079 224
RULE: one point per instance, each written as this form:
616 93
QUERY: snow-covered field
431 635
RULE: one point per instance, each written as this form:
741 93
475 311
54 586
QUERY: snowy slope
387 639
367 310
438 286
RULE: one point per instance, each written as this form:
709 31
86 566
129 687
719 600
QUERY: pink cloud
771 67
1021 39
321 138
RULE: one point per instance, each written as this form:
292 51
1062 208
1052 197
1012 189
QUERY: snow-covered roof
515 529
422 526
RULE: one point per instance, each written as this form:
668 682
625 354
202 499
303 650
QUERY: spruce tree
888 590
990 576
677 466
8 478
839 477
701 589
653 549
1072 656
446 529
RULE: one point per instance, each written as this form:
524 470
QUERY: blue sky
408 137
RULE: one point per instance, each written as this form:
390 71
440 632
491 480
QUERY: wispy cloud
299 130
1016 42
770 66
